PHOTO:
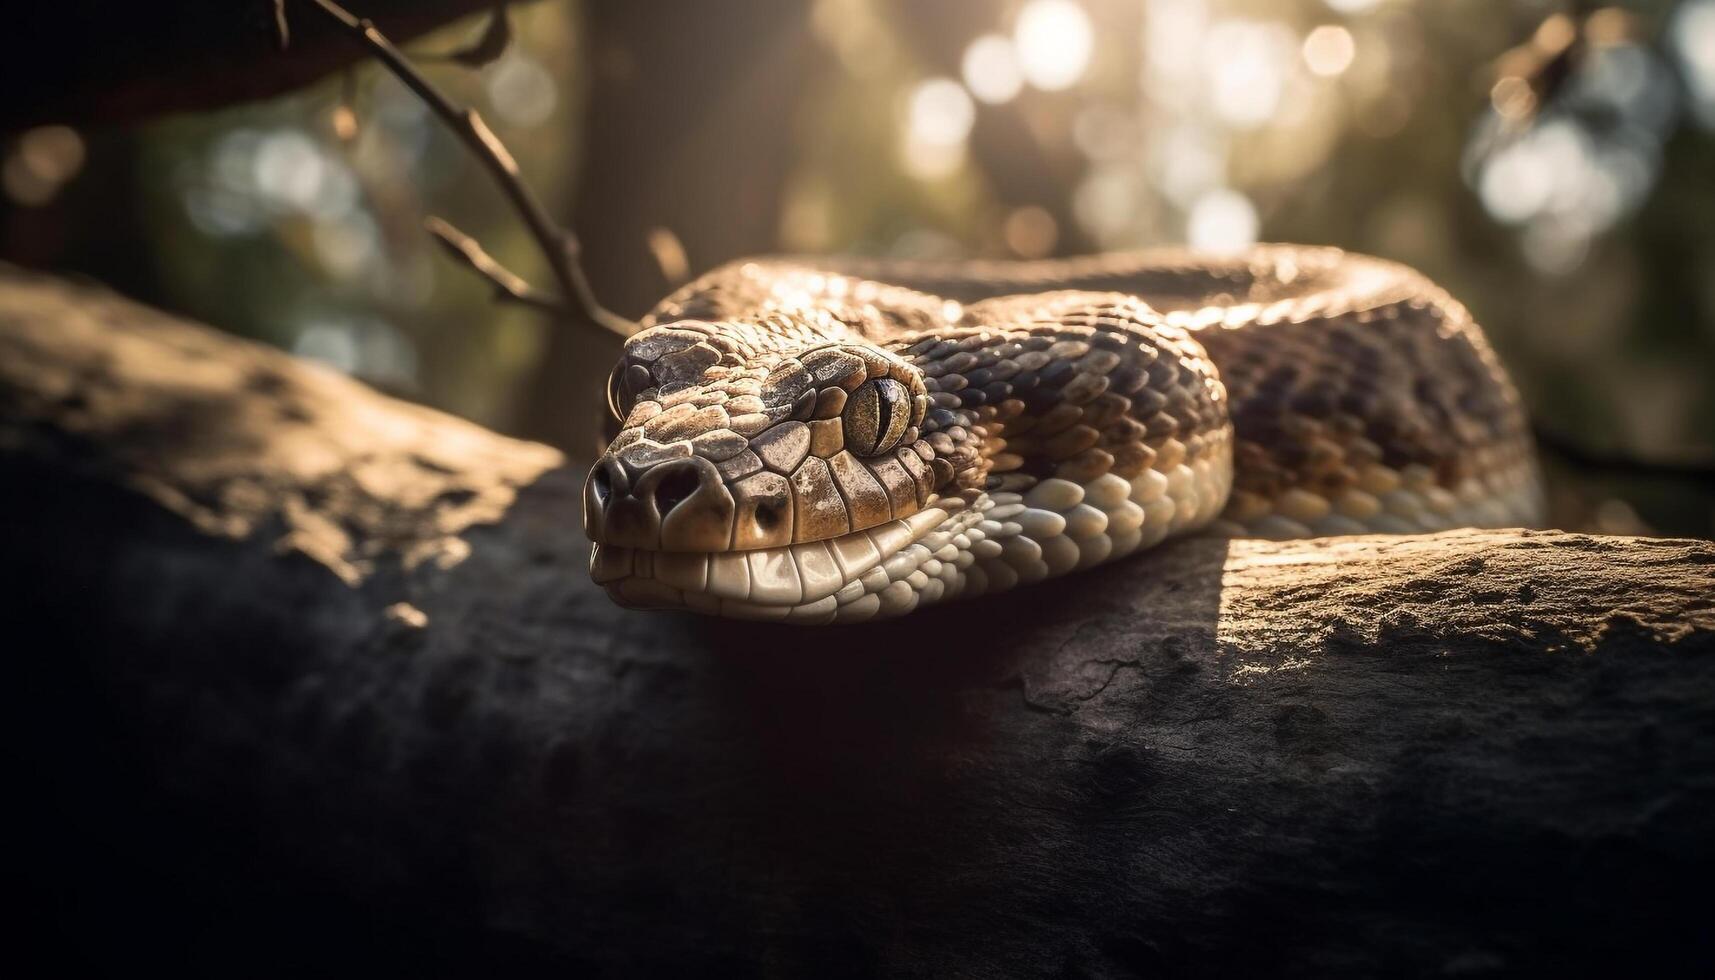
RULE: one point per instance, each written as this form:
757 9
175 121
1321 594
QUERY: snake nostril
674 487
603 484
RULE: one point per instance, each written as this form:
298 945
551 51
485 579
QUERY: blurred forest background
1551 163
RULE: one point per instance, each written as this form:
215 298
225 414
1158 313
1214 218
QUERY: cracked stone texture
303 669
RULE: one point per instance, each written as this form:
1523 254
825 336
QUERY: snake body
827 440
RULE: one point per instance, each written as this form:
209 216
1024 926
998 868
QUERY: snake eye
876 416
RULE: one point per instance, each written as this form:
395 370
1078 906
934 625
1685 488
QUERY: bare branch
282 29
508 285
496 36
557 244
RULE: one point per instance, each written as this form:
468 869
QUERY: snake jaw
884 570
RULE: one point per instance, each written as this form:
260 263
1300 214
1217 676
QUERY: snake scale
830 440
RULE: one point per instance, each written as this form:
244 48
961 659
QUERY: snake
832 440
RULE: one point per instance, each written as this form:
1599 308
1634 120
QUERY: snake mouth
885 570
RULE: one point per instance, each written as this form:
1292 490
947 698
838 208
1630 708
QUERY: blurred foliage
300 221
1550 163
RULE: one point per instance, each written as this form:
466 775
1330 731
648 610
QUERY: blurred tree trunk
691 130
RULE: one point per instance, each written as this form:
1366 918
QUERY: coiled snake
818 440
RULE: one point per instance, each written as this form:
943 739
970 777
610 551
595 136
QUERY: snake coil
819 440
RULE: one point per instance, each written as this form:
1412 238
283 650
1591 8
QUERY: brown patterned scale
832 440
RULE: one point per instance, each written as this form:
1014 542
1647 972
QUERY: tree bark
301 671
96 61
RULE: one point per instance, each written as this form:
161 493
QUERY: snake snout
677 505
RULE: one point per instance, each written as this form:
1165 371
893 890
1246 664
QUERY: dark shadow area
165 817
271 775
133 848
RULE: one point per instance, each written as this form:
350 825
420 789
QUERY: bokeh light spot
368 347
938 118
1031 232
288 169
1054 40
521 90
1246 63
43 159
1328 50
1222 221
347 245
940 113
990 69
932 161
1693 39
1106 202
52 152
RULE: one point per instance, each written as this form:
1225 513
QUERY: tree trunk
690 130
302 672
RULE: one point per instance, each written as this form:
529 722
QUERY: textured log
307 670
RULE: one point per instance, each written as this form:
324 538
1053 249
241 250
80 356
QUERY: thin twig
282 29
508 285
558 245
496 37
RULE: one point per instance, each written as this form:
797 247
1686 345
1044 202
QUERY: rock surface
311 672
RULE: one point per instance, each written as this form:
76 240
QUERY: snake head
762 472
